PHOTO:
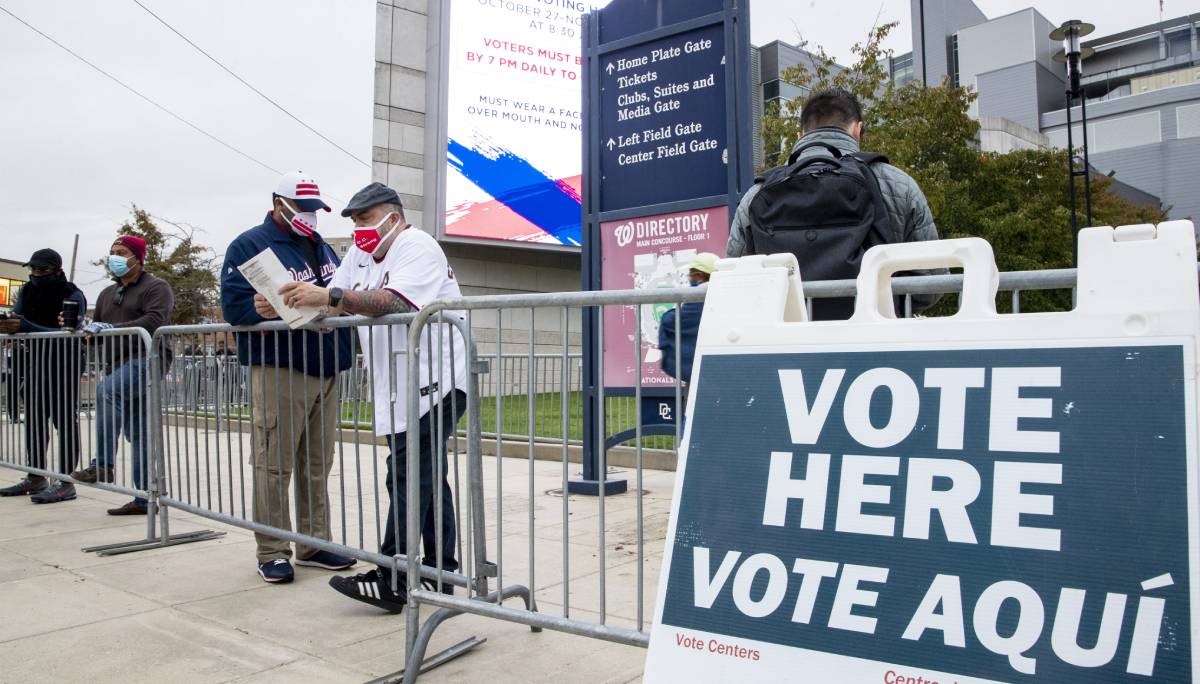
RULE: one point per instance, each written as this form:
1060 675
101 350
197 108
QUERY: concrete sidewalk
199 612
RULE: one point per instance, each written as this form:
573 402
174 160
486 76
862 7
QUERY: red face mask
368 239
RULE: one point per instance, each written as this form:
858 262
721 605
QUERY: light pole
1073 55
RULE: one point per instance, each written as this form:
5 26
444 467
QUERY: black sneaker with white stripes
429 584
370 587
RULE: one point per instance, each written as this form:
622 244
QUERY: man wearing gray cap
395 268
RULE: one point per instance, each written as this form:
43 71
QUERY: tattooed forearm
374 303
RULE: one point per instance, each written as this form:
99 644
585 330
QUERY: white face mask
303 223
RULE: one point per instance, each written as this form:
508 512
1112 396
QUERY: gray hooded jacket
911 219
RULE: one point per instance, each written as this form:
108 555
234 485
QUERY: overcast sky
78 149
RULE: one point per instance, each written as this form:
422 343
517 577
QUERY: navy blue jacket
317 354
689 326
28 326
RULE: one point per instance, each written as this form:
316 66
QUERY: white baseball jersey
415 269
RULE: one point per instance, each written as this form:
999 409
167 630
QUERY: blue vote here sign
936 515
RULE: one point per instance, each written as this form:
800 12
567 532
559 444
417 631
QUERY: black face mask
43 279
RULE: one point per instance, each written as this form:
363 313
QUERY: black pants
395 536
52 397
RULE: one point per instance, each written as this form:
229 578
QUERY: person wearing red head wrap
136 300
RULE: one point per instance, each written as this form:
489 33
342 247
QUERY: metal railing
47 381
235 438
578 564
553 529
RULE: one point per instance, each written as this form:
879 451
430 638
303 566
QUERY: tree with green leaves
1019 201
173 254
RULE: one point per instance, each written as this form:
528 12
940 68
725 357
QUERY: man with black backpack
831 202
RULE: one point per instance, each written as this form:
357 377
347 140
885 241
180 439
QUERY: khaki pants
295 424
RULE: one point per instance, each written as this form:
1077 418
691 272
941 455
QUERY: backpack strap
868 159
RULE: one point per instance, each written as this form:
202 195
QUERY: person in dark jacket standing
136 300
293 381
48 370
688 323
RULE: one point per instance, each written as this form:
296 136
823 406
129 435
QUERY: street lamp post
1073 55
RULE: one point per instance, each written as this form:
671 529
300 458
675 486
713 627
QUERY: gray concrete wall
1165 165
1051 90
1186 94
1009 93
1002 136
398 138
1019 93
1168 169
487 270
943 18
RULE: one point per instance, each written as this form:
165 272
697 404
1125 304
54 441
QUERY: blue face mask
118 265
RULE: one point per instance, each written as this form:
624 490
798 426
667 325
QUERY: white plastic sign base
979 497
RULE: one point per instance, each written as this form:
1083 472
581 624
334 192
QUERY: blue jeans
121 408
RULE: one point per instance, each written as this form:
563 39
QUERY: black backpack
827 211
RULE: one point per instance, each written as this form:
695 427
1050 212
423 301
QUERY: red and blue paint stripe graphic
551 205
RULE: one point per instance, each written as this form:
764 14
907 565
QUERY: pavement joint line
134 592
239 630
258 673
181 607
98 559
183 604
157 606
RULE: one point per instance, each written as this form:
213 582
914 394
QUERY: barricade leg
418 634
148 452
417 664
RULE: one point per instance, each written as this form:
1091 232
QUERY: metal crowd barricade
209 431
209 442
589 554
71 399
572 599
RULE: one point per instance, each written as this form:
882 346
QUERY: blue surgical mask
118 265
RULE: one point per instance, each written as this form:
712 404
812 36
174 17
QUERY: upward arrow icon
610 144
609 68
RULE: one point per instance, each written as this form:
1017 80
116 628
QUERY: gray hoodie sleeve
739 229
918 227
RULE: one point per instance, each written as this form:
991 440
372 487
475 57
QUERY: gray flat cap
375 193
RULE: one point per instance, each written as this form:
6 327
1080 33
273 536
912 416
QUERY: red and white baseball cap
302 189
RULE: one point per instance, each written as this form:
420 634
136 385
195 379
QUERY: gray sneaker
63 491
26 486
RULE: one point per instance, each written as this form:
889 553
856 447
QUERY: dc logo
664 411
624 234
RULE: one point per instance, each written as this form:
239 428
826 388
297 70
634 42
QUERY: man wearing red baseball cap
136 300
293 382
